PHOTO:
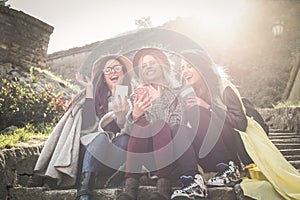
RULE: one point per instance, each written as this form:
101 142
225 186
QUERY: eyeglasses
115 68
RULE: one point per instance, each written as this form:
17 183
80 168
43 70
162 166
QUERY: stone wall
67 63
23 39
285 118
16 168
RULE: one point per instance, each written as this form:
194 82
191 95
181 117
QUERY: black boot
84 191
131 190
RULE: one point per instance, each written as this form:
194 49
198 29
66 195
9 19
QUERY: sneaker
193 187
228 175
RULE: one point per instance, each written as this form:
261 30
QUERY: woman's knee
121 141
102 137
98 143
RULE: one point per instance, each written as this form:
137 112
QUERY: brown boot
163 190
130 191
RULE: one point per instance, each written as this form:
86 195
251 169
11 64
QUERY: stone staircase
287 142
289 145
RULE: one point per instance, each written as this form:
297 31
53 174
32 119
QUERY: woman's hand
194 100
141 104
120 109
88 85
153 92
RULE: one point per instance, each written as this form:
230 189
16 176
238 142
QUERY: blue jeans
104 157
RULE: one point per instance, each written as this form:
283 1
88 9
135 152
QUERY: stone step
271 130
292 158
290 152
283 133
287 145
296 164
286 140
41 193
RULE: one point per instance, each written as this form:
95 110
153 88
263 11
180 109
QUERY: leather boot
131 190
163 190
84 191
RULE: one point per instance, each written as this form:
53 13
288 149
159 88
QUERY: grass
287 104
24 134
55 77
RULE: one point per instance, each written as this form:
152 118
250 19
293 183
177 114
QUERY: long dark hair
101 90
207 69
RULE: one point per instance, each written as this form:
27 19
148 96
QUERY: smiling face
151 69
190 73
113 73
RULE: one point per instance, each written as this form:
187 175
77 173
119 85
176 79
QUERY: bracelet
135 120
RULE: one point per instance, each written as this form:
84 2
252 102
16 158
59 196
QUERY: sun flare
221 16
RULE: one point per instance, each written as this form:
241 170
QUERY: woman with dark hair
240 139
108 72
90 122
198 72
214 141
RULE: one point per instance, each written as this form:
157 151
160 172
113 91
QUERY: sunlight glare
222 16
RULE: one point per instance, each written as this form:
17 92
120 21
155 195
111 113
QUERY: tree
143 22
4 3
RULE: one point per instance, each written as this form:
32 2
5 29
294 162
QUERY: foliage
21 104
53 76
143 22
256 61
287 104
4 3
24 134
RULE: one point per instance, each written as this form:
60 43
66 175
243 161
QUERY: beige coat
60 155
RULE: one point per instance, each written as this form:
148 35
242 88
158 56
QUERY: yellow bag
255 172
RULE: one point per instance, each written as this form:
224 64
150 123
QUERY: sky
77 23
